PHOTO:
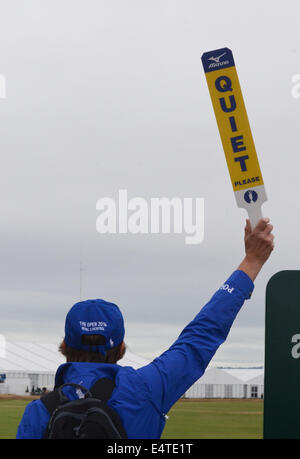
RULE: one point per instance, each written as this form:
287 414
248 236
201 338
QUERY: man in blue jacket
93 343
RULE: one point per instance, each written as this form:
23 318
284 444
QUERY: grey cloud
109 95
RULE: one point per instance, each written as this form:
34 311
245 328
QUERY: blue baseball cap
94 317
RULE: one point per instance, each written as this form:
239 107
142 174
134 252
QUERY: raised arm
171 374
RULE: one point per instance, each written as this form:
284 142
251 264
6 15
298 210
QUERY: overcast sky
109 95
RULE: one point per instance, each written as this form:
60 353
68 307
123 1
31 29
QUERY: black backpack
84 418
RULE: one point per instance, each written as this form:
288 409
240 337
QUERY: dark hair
77 355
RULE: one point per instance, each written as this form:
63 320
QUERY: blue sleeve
170 375
34 421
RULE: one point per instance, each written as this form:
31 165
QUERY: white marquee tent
27 365
229 383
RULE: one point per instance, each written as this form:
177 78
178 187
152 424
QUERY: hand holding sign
235 132
259 243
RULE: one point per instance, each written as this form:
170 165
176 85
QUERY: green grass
11 412
192 419
219 419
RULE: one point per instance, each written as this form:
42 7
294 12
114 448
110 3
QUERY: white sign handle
255 214
252 200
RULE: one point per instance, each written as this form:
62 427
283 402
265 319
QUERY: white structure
28 365
229 383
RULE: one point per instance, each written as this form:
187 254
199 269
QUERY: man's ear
123 347
63 349
122 350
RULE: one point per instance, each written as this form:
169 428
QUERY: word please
160 215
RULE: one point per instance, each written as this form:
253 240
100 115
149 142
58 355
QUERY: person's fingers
261 225
248 226
268 229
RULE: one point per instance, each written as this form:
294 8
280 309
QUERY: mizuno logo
216 59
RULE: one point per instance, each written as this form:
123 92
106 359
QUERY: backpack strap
51 400
102 389
57 397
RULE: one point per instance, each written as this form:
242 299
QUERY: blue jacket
143 397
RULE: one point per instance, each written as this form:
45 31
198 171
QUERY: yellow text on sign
234 128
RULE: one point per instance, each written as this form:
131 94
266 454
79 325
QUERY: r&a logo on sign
250 196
